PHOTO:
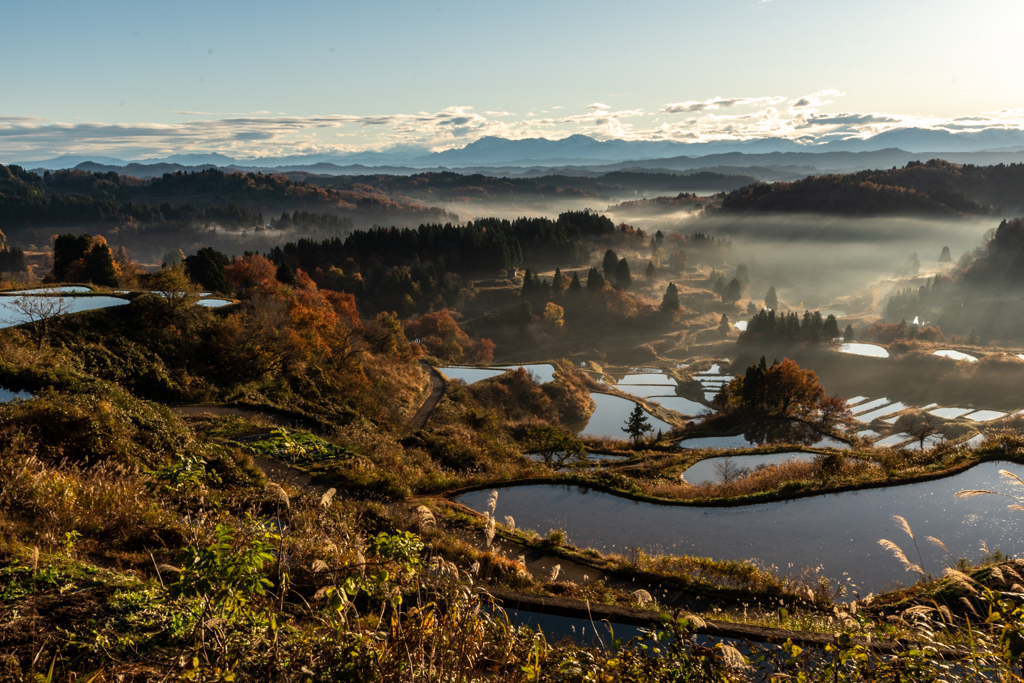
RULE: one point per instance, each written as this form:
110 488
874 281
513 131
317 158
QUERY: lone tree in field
637 425
555 446
848 335
723 326
771 299
921 426
39 312
945 256
179 293
781 391
728 470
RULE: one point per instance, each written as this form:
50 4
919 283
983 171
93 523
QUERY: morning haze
621 341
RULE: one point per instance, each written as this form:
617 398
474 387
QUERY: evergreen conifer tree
611 260
622 276
670 302
575 288
637 425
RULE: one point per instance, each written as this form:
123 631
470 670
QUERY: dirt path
437 386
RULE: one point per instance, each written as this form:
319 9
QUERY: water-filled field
706 470
11 316
610 417
840 531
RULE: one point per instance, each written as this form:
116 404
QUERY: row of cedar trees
86 258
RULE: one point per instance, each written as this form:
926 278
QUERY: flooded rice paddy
683 406
610 417
705 470
838 532
62 289
470 375
11 316
648 379
955 355
859 349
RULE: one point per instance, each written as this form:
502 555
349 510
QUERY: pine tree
637 425
945 256
285 275
830 330
595 283
527 283
611 260
848 335
622 276
771 299
733 291
723 326
558 282
670 302
650 272
575 288
743 273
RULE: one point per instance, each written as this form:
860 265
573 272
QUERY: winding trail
437 387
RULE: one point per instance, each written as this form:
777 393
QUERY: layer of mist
817 261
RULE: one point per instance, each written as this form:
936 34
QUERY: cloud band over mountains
258 134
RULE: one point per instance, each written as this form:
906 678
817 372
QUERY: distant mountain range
585 154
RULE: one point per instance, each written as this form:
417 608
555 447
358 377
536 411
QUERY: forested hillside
63 198
935 188
448 186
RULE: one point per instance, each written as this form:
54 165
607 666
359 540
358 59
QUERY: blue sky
262 78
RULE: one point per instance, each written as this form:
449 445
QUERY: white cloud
801 119
718 103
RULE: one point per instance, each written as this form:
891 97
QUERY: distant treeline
771 329
448 185
489 243
935 188
233 200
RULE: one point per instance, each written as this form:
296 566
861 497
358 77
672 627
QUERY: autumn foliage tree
516 395
252 272
84 258
781 391
441 337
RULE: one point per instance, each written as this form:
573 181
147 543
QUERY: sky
143 79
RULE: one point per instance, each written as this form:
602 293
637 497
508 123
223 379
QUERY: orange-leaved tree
252 272
783 390
441 336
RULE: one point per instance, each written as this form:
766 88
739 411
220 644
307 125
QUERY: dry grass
107 503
